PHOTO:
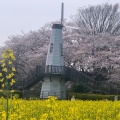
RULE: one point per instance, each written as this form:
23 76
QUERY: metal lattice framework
69 74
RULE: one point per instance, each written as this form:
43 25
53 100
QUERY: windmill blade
76 28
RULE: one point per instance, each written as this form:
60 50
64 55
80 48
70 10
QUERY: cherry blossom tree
96 53
104 22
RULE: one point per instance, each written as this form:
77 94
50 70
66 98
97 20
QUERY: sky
17 16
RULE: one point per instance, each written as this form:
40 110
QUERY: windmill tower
53 81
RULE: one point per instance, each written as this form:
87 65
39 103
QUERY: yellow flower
8 54
9 76
11 83
1 80
9 62
11 51
3 114
4 56
7 58
2 61
12 91
33 119
3 85
13 69
44 116
2 97
13 58
4 69
12 74
0 74
13 80
3 65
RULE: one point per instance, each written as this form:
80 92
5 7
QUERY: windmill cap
57 26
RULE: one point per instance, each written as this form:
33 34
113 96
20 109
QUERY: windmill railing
49 69
41 71
73 75
30 79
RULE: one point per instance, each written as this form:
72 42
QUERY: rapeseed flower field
52 109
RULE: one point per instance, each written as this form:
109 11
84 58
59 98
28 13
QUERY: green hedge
90 96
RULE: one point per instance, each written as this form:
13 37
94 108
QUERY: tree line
94 48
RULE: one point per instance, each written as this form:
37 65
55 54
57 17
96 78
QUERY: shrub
91 96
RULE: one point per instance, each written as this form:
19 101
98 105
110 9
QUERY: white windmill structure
56 74
54 82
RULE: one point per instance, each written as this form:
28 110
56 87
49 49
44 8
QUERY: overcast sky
26 15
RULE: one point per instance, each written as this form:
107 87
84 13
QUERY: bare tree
100 18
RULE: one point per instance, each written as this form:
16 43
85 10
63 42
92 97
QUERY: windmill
55 74
54 82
